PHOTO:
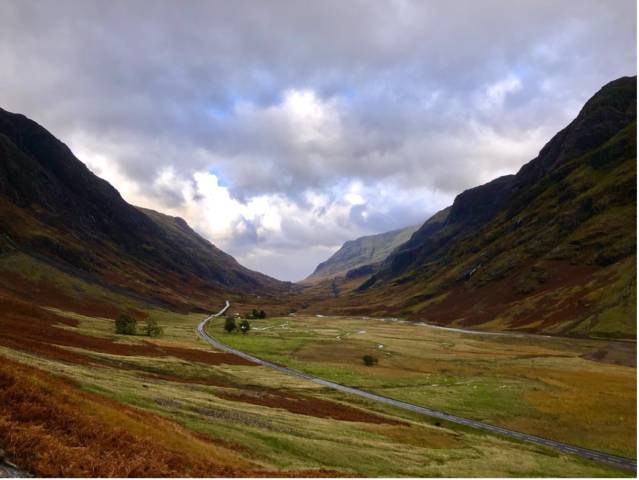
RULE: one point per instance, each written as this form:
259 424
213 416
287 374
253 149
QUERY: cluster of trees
127 325
256 314
231 322
230 325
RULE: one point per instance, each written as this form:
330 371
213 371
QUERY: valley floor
576 391
171 406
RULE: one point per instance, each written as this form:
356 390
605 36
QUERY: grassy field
577 391
248 420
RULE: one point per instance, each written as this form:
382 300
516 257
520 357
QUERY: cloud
281 130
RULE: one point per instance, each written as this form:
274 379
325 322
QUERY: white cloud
495 94
108 169
272 230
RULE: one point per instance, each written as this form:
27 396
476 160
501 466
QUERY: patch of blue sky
222 181
219 113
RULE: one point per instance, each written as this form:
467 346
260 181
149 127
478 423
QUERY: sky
281 129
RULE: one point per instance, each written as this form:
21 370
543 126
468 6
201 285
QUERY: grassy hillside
53 209
550 249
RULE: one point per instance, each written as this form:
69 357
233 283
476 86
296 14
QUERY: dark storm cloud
283 98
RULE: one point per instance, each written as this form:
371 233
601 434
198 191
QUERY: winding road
620 462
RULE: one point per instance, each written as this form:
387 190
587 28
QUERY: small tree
151 327
125 325
245 326
369 360
229 324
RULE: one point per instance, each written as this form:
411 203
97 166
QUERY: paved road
621 462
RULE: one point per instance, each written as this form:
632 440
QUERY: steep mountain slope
359 252
52 208
551 248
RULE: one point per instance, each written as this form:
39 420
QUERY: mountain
550 249
360 252
55 211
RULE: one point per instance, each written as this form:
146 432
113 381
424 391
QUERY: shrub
151 327
245 326
125 325
52 428
369 360
257 314
229 324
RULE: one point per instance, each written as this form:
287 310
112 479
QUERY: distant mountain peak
362 251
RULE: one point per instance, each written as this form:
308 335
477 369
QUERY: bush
125 325
229 324
245 326
369 360
257 314
151 327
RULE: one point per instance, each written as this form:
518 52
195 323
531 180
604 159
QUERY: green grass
36 271
538 385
